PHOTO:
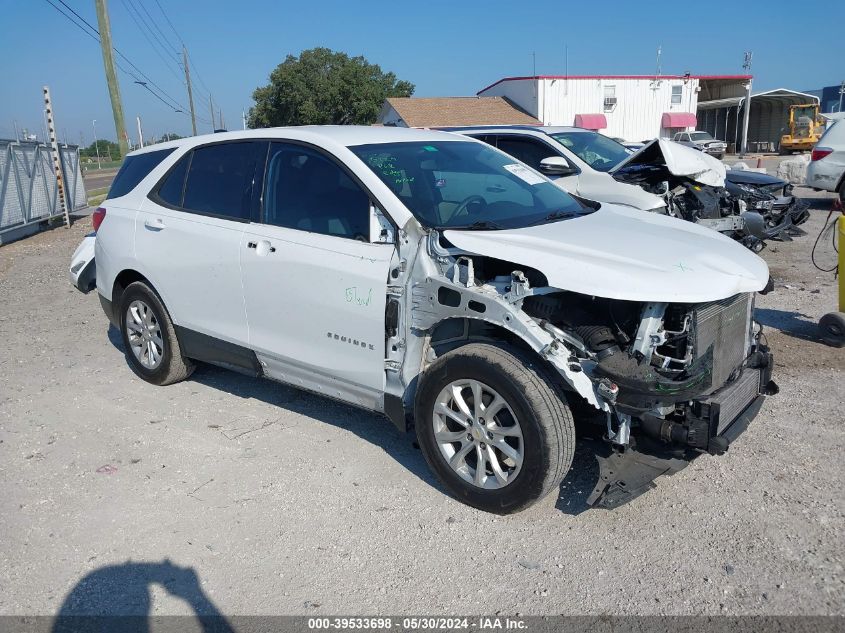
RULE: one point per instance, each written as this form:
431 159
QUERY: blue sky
446 48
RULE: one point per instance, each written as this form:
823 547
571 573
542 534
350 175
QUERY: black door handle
255 245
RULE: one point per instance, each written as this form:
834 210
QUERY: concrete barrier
794 169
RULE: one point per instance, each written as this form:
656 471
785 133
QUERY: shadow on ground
377 429
794 324
820 203
117 599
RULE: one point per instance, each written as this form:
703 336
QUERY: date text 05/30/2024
417 623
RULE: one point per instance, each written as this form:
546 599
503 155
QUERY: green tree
169 136
107 149
323 87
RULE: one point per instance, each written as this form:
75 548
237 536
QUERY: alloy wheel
478 434
144 334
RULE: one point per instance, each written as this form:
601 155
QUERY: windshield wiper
556 215
480 225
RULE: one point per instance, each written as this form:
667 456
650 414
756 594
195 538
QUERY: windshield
700 136
598 151
465 184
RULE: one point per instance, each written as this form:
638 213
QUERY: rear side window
134 170
174 183
220 179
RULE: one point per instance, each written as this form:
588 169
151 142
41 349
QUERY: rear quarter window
134 170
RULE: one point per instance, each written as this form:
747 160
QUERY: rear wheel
152 349
493 427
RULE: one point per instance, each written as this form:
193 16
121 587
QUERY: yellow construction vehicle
805 128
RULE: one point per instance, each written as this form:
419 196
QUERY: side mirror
381 229
556 166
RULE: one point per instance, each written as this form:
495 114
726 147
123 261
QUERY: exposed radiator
725 325
734 399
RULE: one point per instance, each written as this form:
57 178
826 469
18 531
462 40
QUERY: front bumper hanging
663 446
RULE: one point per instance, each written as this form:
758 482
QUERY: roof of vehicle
347 135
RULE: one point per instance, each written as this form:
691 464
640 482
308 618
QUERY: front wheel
494 427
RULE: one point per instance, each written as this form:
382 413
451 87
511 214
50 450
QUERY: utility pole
57 164
96 143
211 108
111 75
18 136
222 121
243 118
140 134
746 109
190 91
841 92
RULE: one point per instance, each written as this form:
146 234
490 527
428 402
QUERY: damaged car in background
677 180
446 285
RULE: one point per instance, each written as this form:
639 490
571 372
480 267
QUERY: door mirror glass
381 229
556 166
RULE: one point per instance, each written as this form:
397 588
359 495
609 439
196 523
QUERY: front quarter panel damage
450 291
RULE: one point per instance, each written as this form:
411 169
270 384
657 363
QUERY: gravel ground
253 498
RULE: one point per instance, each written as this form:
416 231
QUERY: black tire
832 326
548 432
173 366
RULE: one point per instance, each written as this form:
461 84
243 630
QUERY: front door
314 284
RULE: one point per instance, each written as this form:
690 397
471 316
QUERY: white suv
434 279
827 162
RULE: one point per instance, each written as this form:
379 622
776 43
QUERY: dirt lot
249 497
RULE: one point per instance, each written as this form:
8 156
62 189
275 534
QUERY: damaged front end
772 199
689 383
679 380
669 381
695 188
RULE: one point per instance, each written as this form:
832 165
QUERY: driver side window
305 190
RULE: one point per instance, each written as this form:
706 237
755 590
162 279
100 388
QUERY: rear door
188 237
314 281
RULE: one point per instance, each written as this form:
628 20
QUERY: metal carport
768 118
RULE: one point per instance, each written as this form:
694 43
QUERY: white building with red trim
632 107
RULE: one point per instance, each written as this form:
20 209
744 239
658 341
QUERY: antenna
655 84
659 53
747 63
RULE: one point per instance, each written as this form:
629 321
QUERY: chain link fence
28 189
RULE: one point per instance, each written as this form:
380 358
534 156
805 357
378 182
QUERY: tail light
98 217
820 152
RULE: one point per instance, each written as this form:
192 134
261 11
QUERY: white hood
619 253
680 160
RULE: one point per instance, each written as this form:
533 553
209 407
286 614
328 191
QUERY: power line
158 28
182 42
96 37
178 106
173 28
144 28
